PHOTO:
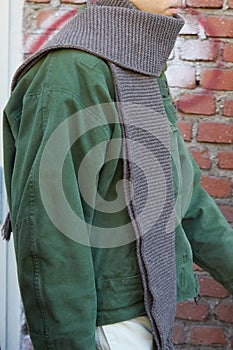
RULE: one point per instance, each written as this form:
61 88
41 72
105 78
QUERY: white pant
134 334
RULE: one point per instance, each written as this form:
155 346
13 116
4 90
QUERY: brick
217 79
51 20
178 334
202 158
190 311
211 288
197 104
185 129
228 108
38 1
72 1
225 159
228 52
224 312
191 26
215 132
204 3
217 187
33 42
204 335
227 212
181 76
194 50
47 18
217 26
197 268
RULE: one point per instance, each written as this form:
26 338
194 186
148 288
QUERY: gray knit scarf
137 45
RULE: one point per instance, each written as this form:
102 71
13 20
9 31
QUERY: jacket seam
36 268
14 118
117 278
44 89
43 94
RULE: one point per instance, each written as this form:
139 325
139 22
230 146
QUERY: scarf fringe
7 228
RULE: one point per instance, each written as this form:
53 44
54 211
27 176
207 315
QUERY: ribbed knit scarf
137 45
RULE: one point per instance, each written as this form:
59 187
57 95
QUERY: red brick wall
200 74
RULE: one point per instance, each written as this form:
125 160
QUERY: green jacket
68 288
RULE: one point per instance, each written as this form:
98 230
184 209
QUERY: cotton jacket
68 287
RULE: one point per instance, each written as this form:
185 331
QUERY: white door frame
11 56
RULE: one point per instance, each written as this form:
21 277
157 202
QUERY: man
99 265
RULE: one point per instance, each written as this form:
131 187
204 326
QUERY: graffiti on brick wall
49 22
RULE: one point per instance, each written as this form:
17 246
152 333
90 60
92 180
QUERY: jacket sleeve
210 236
54 260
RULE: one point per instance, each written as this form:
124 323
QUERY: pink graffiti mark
211 32
56 24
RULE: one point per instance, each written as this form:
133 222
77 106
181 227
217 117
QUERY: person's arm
210 236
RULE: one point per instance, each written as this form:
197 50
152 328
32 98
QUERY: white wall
10 58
